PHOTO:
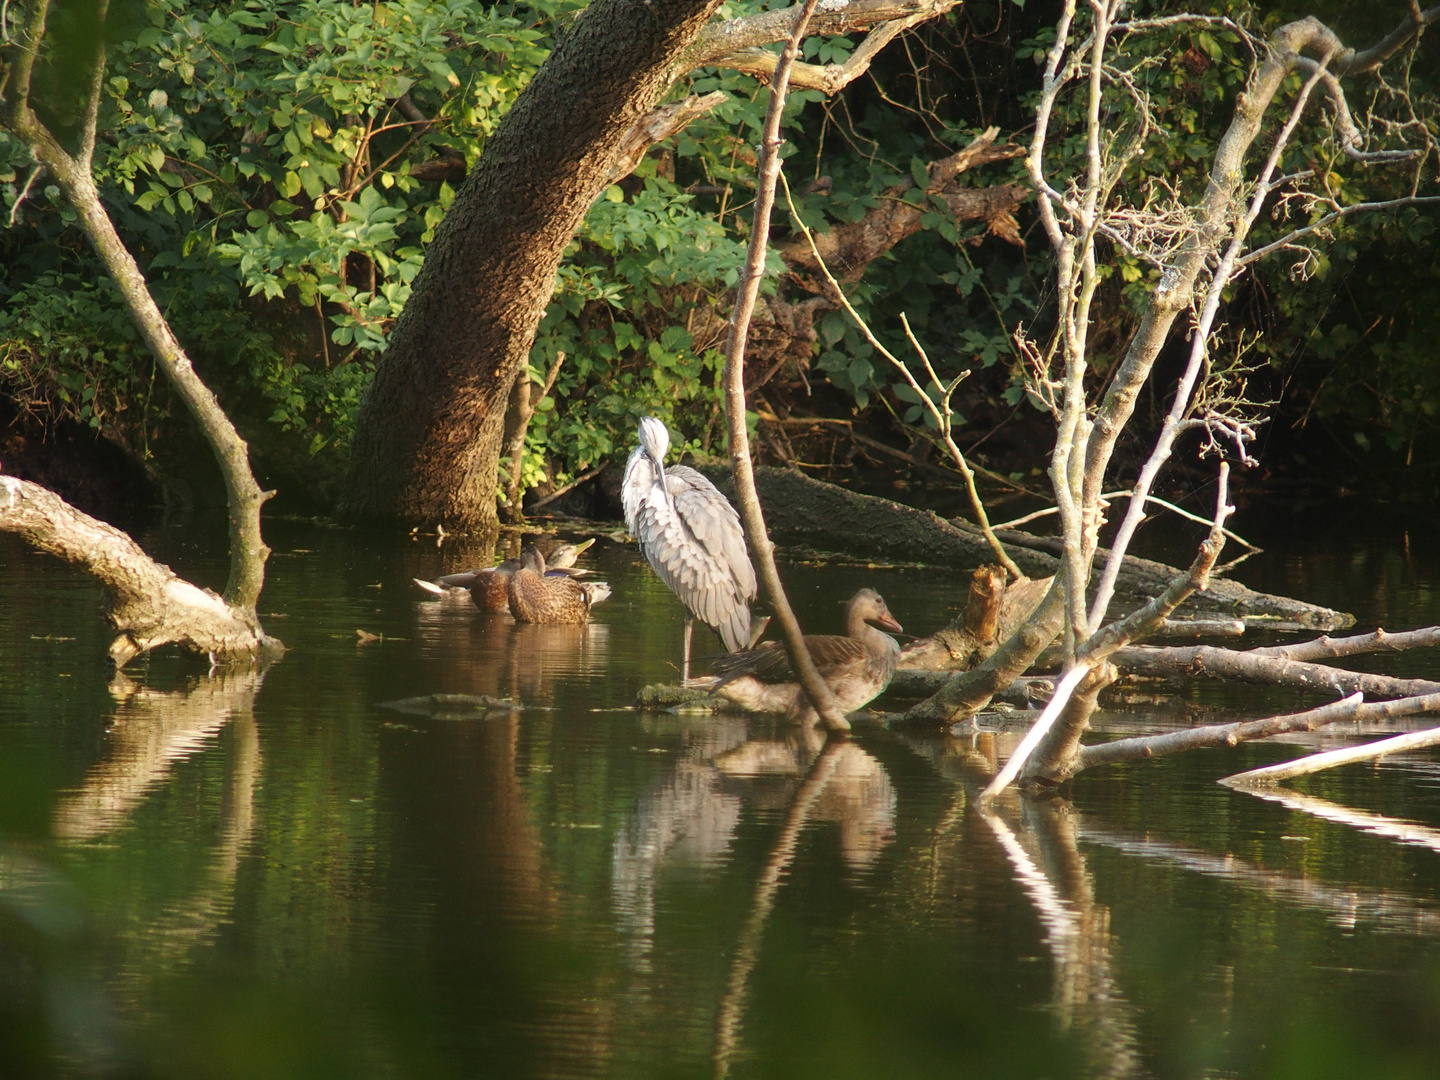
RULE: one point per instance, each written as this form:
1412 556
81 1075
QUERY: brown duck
490 588
538 597
857 667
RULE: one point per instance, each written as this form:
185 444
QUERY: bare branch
1152 616
97 81
734 381
1041 728
1148 746
1184 660
734 43
658 125
1314 763
1327 647
1289 241
1354 63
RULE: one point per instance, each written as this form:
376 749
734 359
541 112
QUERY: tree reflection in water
150 732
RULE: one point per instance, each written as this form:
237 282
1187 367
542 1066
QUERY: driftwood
1313 763
976 633
146 601
1225 735
1256 666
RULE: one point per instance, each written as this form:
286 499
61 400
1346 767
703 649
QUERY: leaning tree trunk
430 431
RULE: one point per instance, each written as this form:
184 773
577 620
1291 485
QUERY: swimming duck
538 597
489 588
857 667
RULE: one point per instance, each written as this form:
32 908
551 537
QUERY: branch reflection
1407 832
1087 998
1346 906
151 731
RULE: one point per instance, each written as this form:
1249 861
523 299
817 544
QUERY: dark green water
234 876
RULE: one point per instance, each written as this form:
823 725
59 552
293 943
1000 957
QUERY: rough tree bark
430 432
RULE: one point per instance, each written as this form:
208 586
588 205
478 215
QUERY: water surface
235 874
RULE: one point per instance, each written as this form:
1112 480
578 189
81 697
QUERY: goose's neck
875 640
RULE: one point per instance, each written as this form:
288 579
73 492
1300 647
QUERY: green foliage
259 151
264 162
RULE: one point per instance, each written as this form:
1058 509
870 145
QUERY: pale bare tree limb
1326 647
1185 660
1198 361
247 547
1318 226
1048 757
1313 763
658 125
146 601
1038 730
734 43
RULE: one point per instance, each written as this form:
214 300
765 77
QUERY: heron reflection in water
691 537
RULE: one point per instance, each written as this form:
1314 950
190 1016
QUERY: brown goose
856 667
490 588
538 597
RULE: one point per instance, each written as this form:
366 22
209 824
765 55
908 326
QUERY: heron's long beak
660 474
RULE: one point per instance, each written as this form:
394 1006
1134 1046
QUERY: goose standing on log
692 538
857 667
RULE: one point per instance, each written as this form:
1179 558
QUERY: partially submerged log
147 602
1262 666
801 511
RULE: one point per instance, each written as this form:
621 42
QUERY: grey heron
692 538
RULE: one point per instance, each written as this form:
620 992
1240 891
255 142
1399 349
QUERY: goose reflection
688 819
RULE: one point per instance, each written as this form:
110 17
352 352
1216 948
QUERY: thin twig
940 413
1047 511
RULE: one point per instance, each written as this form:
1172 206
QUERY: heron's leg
685 664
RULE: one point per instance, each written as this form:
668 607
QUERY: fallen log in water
801 511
